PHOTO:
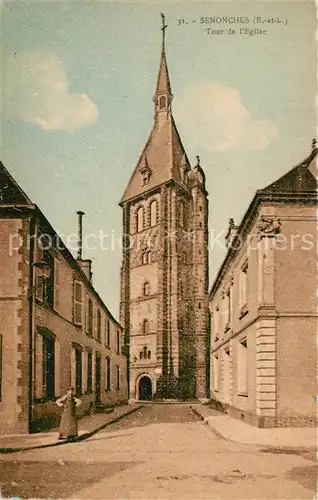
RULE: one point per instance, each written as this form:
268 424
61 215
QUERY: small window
145 178
149 354
145 326
162 102
146 288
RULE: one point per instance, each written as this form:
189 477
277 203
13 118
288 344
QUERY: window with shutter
242 367
99 325
78 303
56 285
107 375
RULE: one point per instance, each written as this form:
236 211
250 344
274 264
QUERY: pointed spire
163 95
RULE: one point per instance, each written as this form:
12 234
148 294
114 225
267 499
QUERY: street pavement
158 452
236 430
87 426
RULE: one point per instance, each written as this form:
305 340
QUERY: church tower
164 274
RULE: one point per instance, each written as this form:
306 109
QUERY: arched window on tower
146 257
162 102
145 326
140 219
153 213
146 288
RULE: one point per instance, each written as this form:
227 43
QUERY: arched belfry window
140 219
162 102
146 257
145 326
153 213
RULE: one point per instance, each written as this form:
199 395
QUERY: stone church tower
164 275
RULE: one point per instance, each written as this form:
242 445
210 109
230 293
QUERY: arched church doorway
145 389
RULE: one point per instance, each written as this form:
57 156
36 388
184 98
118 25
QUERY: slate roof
163 152
163 81
10 191
298 180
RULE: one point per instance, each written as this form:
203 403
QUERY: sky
78 83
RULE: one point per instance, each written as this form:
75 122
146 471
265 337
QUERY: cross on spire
163 29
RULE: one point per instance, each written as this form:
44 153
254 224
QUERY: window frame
117 378
146 288
153 213
98 325
243 289
140 216
48 361
78 303
89 374
78 372
107 374
107 337
145 326
57 285
242 359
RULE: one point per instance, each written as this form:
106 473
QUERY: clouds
36 90
214 117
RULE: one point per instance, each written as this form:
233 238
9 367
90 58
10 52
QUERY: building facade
164 276
55 331
263 307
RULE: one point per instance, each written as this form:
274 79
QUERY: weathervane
163 29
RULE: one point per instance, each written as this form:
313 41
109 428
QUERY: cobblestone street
158 452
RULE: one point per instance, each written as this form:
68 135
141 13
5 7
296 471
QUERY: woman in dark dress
68 425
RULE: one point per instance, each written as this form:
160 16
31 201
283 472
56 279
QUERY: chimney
85 264
231 233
